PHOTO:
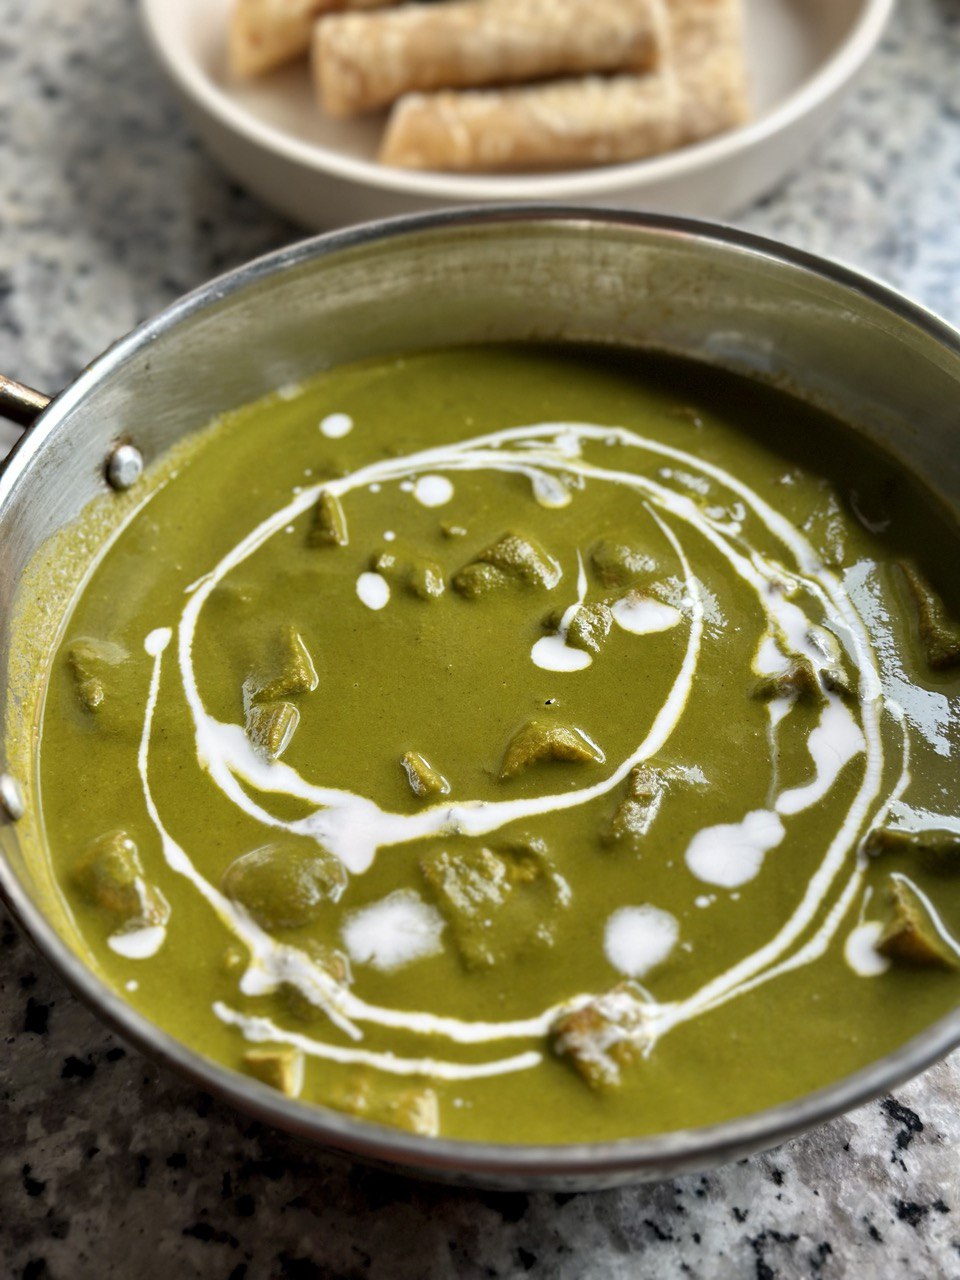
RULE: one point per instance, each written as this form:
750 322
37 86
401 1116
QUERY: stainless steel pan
839 339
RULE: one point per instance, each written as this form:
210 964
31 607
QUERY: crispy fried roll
266 33
586 121
365 61
699 91
706 41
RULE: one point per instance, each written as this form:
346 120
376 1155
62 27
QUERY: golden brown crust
698 91
587 121
366 61
708 51
264 34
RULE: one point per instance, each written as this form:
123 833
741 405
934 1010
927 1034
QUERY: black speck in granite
819 1258
32 1186
203 1105
509 1206
75 1068
910 1125
873 1232
208 1234
300 1269
914 1214
37 1017
245 1206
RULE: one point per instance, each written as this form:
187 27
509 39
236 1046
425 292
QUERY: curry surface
516 922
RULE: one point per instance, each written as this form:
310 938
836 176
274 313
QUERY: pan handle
21 404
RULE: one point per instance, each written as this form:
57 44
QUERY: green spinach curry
518 743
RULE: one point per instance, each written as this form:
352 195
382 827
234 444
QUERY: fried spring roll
586 121
365 61
699 91
707 46
266 33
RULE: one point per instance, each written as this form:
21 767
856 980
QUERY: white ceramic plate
271 136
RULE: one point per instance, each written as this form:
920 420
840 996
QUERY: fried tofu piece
497 902
618 563
331 962
910 936
512 560
415 574
936 849
93 664
540 740
590 627
270 728
939 634
806 679
288 672
328 526
414 1108
603 1037
425 781
279 1066
635 814
284 885
800 680
110 876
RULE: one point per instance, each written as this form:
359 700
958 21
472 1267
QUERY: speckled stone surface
111 1168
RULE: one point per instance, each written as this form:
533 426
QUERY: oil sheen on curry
521 744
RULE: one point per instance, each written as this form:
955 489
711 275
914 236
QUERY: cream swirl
356 829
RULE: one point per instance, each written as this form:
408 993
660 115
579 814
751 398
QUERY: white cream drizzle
637 939
860 950
272 963
393 932
832 744
433 491
355 828
261 1030
732 853
928 711
642 616
553 653
138 944
374 590
549 491
336 425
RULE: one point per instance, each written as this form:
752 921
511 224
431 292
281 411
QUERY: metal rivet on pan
124 466
12 804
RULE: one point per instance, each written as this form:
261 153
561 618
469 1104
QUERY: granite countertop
110 1167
